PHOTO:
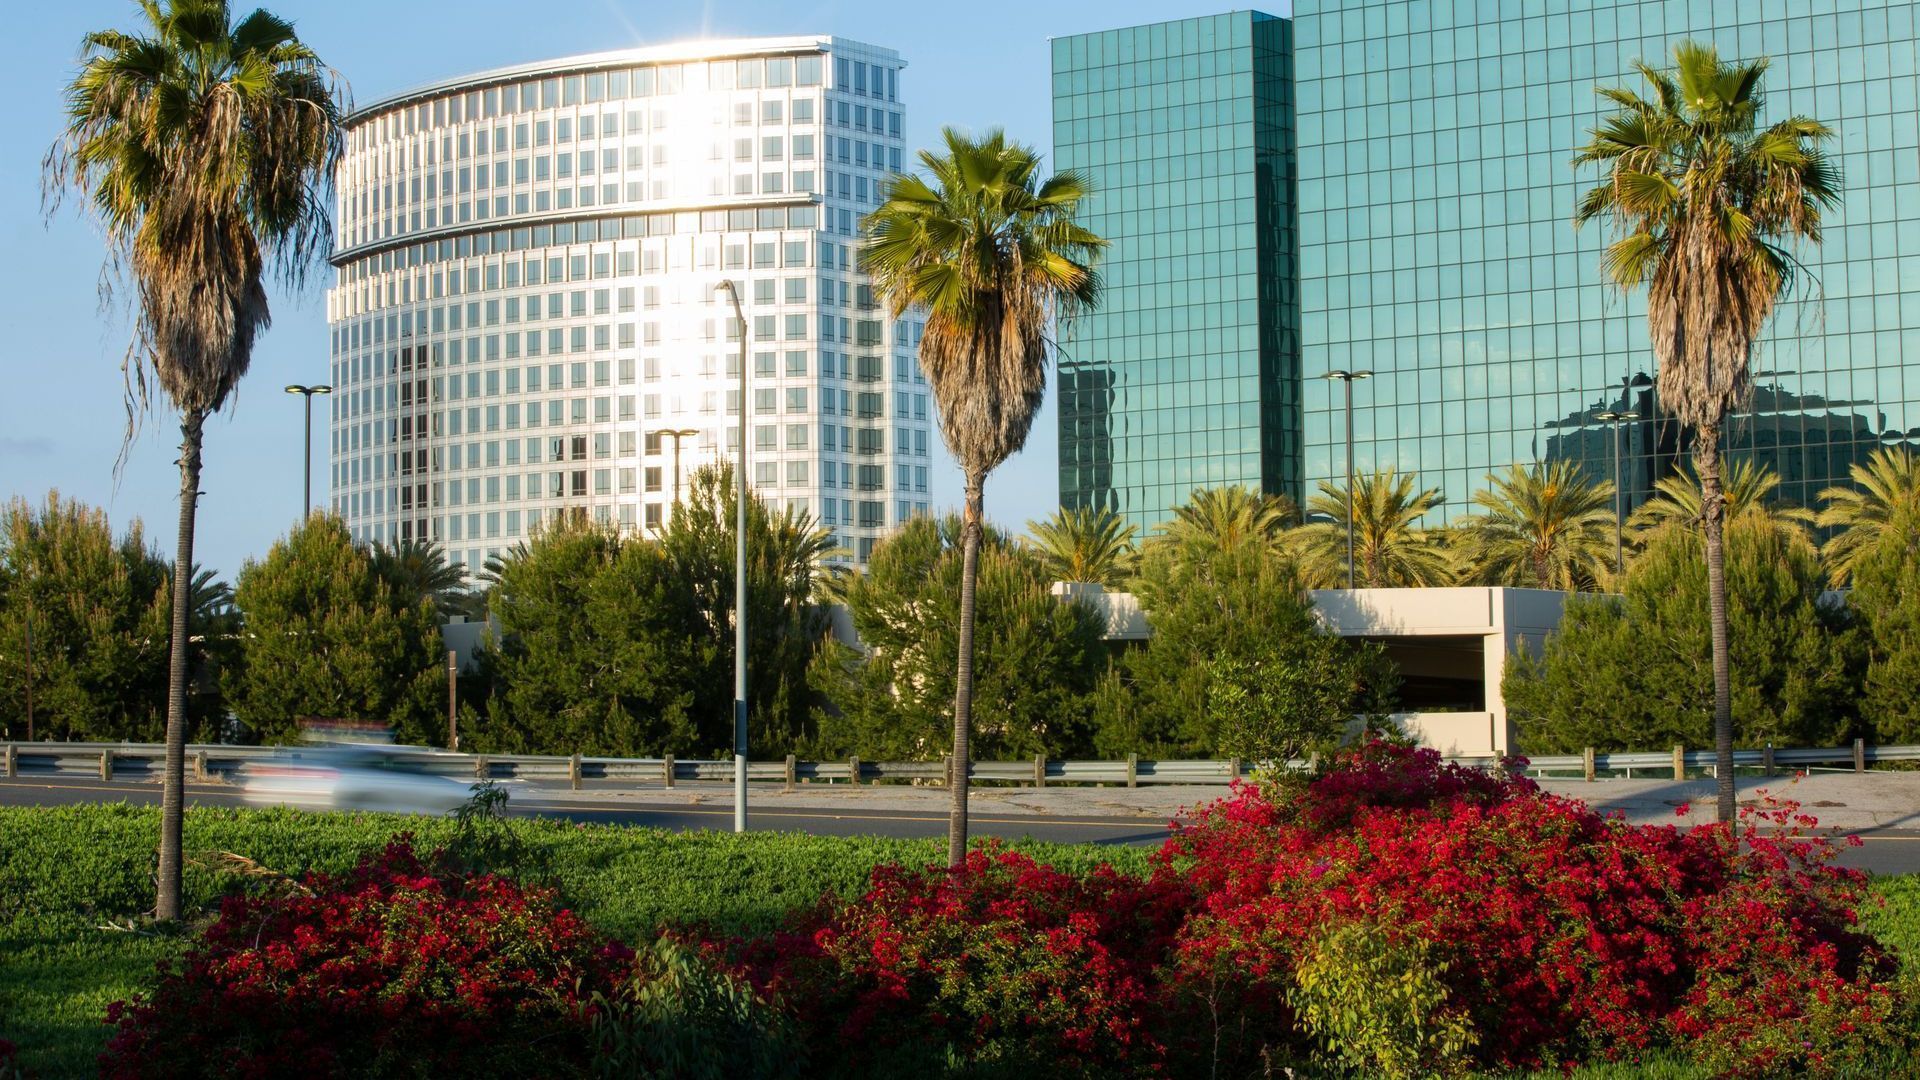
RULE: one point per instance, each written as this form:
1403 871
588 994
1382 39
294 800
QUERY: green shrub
1375 1001
678 1017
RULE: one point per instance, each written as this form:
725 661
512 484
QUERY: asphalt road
1884 851
854 821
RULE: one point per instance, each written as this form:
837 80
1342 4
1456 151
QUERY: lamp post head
1612 417
1347 376
308 391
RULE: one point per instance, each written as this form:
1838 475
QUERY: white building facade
524 319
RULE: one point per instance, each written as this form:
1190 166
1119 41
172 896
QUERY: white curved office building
524 317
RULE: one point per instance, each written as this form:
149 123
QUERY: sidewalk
1847 801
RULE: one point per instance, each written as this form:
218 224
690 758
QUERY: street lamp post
1614 420
676 434
739 583
1346 379
306 447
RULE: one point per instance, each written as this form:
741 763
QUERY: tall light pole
1346 379
676 434
306 447
739 583
1614 420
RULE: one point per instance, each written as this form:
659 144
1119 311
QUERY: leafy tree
1388 551
328 637
1886 597
205 149
418 571
1746 491
1084 544
97 611
1885 492
1237 660
1034 667
1633 672
993 256
601 651
786 573
1704 201
1545 527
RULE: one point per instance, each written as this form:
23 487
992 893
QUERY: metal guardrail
214 762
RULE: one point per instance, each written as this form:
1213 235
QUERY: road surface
1884 851
852 821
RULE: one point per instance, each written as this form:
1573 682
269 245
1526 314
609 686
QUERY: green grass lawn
68 874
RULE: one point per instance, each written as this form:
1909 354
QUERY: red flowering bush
1003 962
396 968
1565 935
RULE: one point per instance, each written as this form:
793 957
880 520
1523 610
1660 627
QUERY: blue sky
973 65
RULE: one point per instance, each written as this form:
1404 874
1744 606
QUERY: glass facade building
1187 376
1434 208
524 318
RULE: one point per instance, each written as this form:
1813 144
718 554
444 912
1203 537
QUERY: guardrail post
666 769
1679 761
106 764
480 767
1233 768
1859 755
1766 759
573 772
946 770
13 761
792 769
1586 762
1039 770
1133 770
853 771
1313 762
200 766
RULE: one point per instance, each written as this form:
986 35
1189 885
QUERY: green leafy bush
1376 1002
679 1017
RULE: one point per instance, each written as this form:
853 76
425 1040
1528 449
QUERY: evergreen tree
1886 598
327 636
1036 659
600 650
1237 661
97 609
1633 672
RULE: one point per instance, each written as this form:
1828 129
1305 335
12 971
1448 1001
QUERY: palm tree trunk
963 683
173 778
1713 511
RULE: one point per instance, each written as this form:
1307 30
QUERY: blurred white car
349 778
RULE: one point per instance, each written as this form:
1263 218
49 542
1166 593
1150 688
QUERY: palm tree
1084 544
992 253
1221 519
1746 492
1389 552
1884 489
1704 200
418 572
1545 527
205 149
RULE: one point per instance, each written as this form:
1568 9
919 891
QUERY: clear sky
974 65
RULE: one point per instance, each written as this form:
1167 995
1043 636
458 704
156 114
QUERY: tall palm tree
1705 201
205 148
1388 551
1546 527
1883 489
418 572
991 252
1084 544
1746 492
1221 519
